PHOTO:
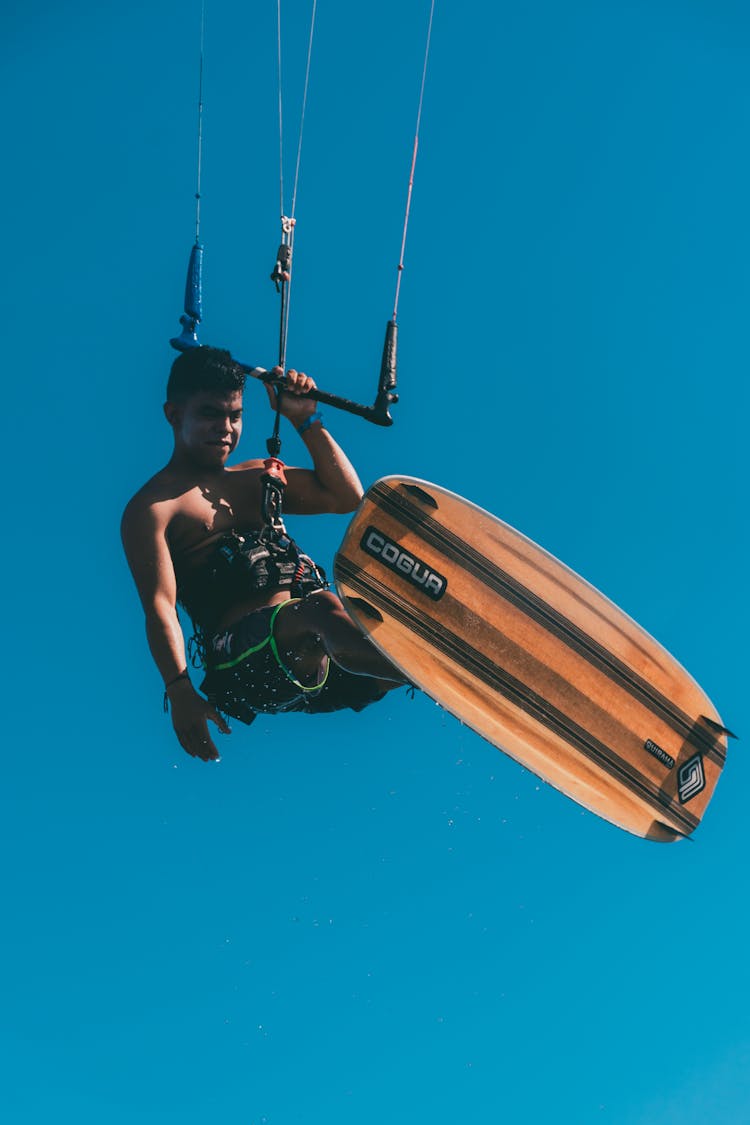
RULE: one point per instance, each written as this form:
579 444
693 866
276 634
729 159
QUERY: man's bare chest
212 508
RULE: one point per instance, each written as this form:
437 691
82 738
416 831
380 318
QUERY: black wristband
182 676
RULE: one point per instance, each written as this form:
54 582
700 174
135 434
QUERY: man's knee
302 623
318 609
323 601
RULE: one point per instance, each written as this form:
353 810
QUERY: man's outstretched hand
190 716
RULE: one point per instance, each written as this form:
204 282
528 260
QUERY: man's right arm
147 551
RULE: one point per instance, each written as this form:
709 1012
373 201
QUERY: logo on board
377 544
656 751
691 779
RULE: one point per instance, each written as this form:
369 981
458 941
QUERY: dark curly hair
204 369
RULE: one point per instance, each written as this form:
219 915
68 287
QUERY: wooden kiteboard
531 657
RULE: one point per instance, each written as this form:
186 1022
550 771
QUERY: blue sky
375 918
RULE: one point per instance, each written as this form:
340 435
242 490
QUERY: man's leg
319 624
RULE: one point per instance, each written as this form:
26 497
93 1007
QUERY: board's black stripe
544 614
515 691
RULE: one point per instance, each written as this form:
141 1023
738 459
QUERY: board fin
718 727
420 494
665 834
365 608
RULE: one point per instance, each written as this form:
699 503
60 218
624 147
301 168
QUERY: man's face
207 426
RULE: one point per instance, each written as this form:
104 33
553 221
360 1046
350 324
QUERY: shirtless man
187 534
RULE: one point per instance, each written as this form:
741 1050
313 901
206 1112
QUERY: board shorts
245 675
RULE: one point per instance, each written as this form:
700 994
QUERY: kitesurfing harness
268 559
244 563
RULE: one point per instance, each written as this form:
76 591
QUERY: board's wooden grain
533 658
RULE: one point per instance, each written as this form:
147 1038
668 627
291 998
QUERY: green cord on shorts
270 639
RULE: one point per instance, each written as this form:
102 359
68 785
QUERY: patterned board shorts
246 675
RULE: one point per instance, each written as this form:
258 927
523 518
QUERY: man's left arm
332 485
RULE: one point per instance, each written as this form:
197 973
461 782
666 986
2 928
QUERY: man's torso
196 515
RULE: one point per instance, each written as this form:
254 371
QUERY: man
272 637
